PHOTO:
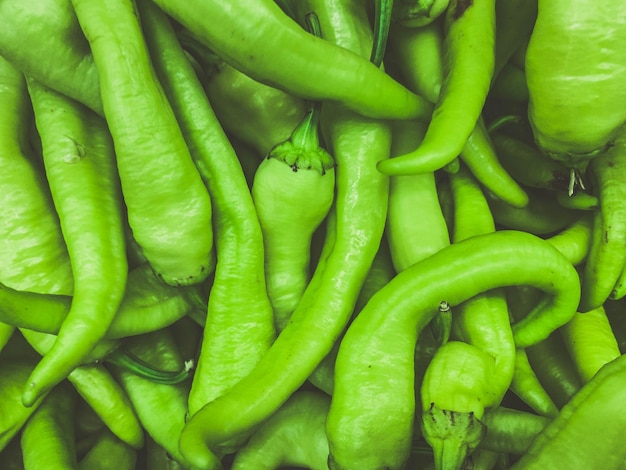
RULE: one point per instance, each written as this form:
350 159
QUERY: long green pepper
80 167
357 144
169 209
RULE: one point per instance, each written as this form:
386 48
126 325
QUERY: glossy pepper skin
575 70
587 433
258 38
361 205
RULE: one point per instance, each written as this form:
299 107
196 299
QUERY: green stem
127 360
382 22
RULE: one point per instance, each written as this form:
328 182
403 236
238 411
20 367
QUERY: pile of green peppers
324 234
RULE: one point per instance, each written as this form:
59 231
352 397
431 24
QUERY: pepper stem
302 149
382 23
133 363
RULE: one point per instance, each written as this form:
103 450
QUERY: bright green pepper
575 70
357 143
169 209
48 436
400 311
80 167
587 433
271 48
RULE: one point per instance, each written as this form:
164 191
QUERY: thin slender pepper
33 254
294 436
469 51
420 54
361 205
548 359
238 301
415 227
575 67
587 432
148 305
80 167
63 62
273 49
154 164
48 437
366 354
607 256
528 388
380 273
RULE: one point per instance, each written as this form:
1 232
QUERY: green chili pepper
271 48
80 168
238 301
380 273
415 227
148 305
548 359
469 52
415 295
48 437
420 54
587 432
153 160
293 191
575 67
607 257
63 62
528 388
361 205
294 436
109 452
33 255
